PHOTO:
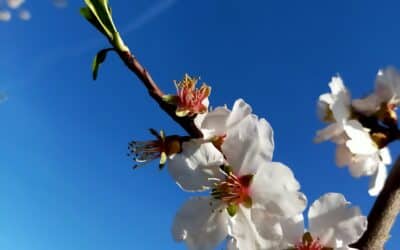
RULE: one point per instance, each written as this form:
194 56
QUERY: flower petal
192 168
360 141
385 156
323 106
363 165
266 137
247 144
387 85
329 132
293 230
367 105
343 155
268 226
335 222
232 244
275 189
201 225
239 111
245 233
377 180
326 98
341 105
213 123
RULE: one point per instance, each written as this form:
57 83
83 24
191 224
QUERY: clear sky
65 180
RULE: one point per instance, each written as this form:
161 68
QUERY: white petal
192 168
336 85
336 223
218 121
206 102
363 165
266 137
343 155
367 105
331 131
377 180
213 123
232 244
323 105
275 189
247 144
245 233
239 111
326 98
360 141
388 84
341 108
202 226
385 156
267 225
341 105
293 230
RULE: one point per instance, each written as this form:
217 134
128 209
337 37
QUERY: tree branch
98 13
383 214
187 123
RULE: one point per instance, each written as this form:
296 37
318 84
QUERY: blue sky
65 180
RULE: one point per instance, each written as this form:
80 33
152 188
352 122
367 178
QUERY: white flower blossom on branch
248 184
386 93
333 225
358 147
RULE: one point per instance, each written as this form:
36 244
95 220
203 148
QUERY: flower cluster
362 128
252 201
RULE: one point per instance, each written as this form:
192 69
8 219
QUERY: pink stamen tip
190 98
314 245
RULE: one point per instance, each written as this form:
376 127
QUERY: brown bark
383 214
187 123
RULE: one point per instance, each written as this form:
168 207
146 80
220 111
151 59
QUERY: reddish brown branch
383 213
187 123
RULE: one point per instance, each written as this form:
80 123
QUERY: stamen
233 190
308 243
189 98
163 146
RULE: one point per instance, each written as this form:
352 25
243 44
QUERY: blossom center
314 245
308 243
233 190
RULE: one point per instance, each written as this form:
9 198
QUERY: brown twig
383 214
187 123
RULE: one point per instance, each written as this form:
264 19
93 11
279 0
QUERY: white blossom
355 146
363 156
335 108
333 224
190 162
248 185
388 85
219 123
387 91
